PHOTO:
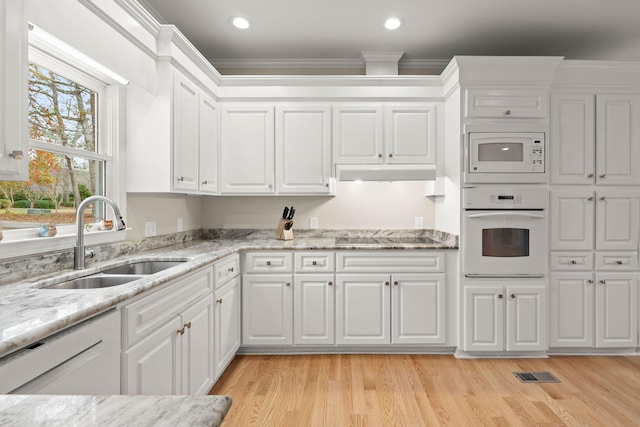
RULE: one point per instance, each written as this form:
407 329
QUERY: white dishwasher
83 359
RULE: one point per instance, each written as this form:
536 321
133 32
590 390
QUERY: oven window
500 152
505 242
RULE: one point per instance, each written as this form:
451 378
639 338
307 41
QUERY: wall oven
505 232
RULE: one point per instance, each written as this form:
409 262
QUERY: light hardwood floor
429 390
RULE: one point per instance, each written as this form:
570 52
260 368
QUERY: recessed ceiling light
240 22
393 23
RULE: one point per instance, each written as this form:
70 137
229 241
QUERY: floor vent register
536 377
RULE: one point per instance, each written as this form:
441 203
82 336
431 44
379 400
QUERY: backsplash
19 269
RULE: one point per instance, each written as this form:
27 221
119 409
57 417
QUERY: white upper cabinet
185 134
410 134
618 139
389 134
594 138
572 139
582 218
208 167
179 144
357 134
506 103
303 149
247 149
13 91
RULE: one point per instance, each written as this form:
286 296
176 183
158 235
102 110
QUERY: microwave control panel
537 156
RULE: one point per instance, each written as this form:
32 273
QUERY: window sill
27 242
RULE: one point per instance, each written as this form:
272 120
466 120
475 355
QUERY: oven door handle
494 214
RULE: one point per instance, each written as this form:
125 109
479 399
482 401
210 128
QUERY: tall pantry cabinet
595 218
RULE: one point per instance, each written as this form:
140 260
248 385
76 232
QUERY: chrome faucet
79 252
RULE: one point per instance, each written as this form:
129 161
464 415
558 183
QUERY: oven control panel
505 197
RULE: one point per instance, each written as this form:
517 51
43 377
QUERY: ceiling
325 33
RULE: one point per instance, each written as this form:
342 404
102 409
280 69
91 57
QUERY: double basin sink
117 275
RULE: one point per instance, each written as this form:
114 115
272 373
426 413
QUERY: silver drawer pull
574 262
314 263
268 262
619 262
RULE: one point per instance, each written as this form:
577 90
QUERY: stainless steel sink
143 267
95 281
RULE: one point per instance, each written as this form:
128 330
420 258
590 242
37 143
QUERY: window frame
57 56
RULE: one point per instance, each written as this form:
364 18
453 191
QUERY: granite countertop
30 312
141 411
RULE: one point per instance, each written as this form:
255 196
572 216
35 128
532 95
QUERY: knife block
283 234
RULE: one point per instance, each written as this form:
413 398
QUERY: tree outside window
64 167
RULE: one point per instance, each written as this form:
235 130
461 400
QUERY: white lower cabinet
504 318
168 338
267 309
227 324
313 309
363 309
177 358
594 310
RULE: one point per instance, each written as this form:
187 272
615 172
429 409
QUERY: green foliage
84 191
66 204
22 204
44 204
5 203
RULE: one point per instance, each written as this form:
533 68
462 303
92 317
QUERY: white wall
357 206
164 209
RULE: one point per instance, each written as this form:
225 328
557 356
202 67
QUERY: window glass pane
56 182
61 111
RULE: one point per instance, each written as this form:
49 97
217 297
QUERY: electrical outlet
180 224
419 222
313 222
149 229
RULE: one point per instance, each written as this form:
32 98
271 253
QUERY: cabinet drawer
313 262
225 269
571 261
389 262
145 315
517 103
616 261
267 262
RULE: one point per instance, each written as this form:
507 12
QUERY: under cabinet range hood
386 172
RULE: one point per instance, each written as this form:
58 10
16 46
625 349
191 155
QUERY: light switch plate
149 229
313 222
419 222
180 224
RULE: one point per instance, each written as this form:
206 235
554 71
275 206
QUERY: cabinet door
572 219
227 324
208 170
197 347
303 149
267 309
572 139
185 134
418 309
618 140
616 310
13 90
363 309
483 318
526 318
313 309
572 310
506 103
410 134
153 365
617 224
246 150
357 134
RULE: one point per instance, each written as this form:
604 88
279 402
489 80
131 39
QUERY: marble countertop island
98 411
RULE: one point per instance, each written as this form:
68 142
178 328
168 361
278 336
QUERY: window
65 165
75 112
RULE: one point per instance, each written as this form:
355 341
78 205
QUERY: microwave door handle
495 214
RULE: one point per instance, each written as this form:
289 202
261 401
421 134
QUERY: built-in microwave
505 157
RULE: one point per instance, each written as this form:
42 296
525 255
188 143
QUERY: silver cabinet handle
574 262
604 175
386 283
380 156
619 262
390 155
590 175
603 282
330 283
602 199
205 182
181 179
507 113
590 199
590 281
288 283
